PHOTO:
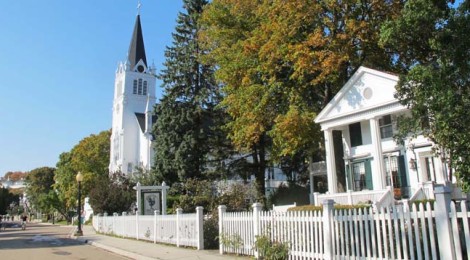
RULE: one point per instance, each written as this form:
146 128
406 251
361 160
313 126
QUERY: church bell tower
134 98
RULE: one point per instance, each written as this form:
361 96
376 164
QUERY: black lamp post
79 178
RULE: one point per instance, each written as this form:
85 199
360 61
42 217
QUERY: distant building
134 98
12 184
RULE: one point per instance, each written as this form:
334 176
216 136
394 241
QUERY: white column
378 169
330 161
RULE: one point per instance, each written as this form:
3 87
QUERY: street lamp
79 179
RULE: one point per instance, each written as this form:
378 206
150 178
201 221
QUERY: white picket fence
179 229
438 231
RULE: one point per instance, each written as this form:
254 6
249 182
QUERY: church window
145 88
140 87
134 91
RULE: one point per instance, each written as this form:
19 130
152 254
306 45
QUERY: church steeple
137 49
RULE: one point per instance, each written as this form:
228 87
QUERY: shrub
271 250
337 206
211 232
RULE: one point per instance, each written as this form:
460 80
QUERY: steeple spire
137 49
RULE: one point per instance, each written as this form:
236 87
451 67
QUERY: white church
134 98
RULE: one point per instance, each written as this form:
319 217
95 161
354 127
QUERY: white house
363 161
134 98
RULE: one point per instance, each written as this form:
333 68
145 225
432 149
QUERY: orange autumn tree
282 61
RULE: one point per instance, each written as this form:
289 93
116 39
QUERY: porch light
412 163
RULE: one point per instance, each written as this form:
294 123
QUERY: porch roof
368 93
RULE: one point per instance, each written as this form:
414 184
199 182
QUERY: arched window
140 87
134 89
145 88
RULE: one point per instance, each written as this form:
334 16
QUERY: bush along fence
178 229
438 230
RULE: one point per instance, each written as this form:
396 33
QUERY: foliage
336 206
236 196
233 241
39 187
188 138
90 157
281 62
211 232
112 194
289 194
306 208
195 193
209 195
431 45
6 198
271 250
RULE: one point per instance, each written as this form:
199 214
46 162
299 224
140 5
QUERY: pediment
366 89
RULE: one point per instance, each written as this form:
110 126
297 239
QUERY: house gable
365 90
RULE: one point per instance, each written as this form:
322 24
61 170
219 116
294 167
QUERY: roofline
359 72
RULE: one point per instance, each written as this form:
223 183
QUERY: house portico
361 155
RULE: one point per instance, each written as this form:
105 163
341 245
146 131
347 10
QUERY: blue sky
57 65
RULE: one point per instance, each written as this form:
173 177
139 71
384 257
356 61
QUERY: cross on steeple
139 5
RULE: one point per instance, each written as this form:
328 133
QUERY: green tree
41 193
432 47
90 157
6 198
281 62
65 182
187 122
112 194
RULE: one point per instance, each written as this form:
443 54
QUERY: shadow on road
36 236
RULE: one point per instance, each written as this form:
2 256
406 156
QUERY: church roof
141 119
137 49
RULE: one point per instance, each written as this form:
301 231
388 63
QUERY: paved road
48 242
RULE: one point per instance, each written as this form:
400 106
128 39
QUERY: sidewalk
137 249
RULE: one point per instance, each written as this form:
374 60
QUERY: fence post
179 211
328 207
155 226
114 223
137 226
222 209
350 197
315 198
443 225
256 224
164 195
200 227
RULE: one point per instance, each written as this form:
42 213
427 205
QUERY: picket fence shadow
438 230
178 229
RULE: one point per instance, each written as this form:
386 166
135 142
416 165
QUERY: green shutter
368 175
402 171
